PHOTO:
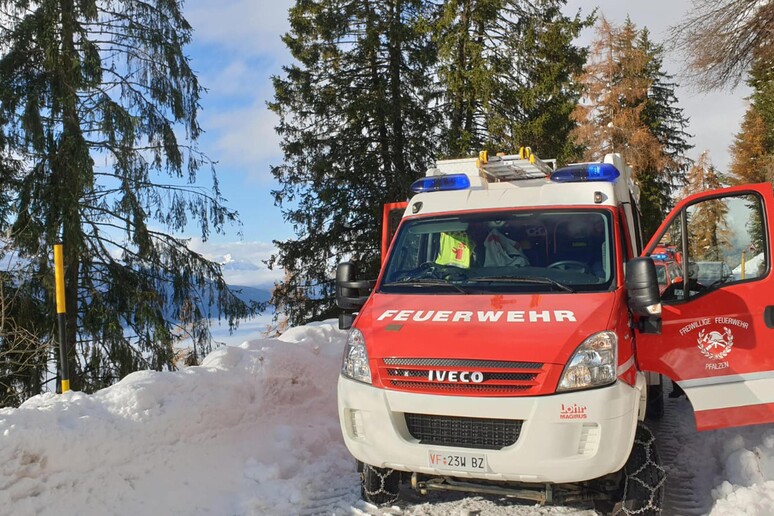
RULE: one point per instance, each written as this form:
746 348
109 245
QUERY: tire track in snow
338 500
340 496
679 444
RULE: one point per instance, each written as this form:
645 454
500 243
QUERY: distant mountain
229 263
247 294
245 275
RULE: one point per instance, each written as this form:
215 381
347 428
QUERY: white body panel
532 193
549 448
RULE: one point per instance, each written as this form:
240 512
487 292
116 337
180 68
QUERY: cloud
715 120
245 27
234 78
244 261
246 139
237 48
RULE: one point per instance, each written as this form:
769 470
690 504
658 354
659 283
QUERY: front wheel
379 486
642 491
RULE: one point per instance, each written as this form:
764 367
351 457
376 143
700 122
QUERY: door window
719 241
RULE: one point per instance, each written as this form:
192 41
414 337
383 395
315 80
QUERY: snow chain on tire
383 492
643 489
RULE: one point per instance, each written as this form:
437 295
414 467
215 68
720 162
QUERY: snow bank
251 431
746 482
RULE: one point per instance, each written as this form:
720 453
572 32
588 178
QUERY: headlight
355 363
594 363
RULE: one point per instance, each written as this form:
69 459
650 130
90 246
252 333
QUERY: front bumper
569 437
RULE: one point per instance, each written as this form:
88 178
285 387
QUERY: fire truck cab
668 269
506 346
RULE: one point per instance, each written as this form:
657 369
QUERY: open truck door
715 332
391 215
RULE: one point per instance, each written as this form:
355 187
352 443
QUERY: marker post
60 314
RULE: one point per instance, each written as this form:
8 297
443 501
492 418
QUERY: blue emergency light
441 183
586 172
659 256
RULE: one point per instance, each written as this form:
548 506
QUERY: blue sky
237 48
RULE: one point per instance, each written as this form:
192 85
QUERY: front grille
460 376
451 362
421 373
463 432
454 388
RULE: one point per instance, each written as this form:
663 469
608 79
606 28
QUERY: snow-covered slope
254 431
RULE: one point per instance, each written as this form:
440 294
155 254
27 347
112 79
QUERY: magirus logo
573 411
455 376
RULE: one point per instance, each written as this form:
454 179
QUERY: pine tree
751 161
753 148
662 178
505 69
549 95
707 224
356 130
99 103
629 107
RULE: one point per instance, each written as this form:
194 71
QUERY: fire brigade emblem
716 345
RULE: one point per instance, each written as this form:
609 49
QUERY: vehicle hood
534 328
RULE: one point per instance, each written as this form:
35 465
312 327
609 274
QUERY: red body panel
736 313
675 352
543 328
388 227
735 416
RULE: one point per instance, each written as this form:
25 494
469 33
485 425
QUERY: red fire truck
668 269
507 344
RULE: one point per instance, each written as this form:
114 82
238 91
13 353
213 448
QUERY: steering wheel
425 270
571 265
436 271
429 268
670 294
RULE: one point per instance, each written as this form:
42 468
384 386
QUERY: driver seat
572 243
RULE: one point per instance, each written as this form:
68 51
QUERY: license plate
473 462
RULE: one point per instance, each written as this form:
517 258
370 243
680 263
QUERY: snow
751 266
254 431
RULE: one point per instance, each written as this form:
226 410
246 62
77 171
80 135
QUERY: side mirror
642 285
351 294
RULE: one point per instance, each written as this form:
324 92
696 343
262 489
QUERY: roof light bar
441 183
660 256
586 172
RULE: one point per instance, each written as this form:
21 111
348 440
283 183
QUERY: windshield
713 272
499 252
661 273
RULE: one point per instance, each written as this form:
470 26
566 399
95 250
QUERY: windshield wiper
523 279
425 282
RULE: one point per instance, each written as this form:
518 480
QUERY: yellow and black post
60 314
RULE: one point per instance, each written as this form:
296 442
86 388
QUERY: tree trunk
69 179
396 105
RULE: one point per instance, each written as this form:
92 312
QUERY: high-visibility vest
455 250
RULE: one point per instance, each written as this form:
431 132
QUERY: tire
642 489
379 486
654 410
